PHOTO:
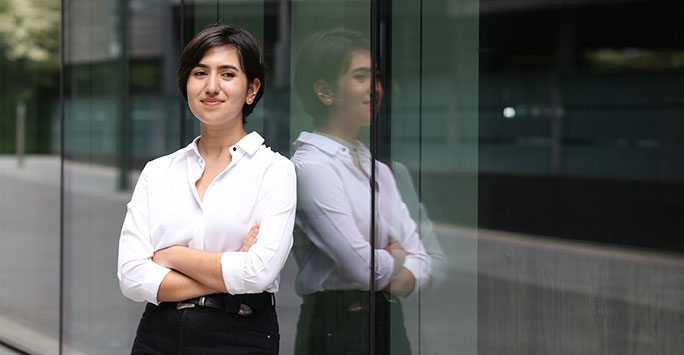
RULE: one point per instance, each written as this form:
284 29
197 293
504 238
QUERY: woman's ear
253 89
323 92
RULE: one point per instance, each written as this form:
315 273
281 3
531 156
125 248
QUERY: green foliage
29 29
29 70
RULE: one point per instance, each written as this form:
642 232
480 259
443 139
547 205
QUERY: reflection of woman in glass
333 223
189 243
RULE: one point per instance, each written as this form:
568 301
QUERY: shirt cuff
232 269
153 279
384 265
415 267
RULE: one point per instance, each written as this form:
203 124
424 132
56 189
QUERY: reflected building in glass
518 160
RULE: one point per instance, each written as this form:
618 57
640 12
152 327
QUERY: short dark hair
324 56
221 35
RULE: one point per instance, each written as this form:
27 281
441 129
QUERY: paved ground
7 351
510 294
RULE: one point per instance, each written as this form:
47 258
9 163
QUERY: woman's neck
339 129
215 141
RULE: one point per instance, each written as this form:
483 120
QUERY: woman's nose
211 85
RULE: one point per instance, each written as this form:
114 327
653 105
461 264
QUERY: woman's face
218 87
352 96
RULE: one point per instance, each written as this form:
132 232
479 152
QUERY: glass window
30 175
578 183
474 177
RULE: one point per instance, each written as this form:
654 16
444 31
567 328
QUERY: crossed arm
403 281
194 272
327 218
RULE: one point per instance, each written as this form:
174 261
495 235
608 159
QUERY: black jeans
165 330
337 323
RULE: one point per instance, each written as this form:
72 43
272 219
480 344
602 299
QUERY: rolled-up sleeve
405 230
256 270
139 277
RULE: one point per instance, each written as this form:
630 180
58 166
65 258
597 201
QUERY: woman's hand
251 237
402 284
398 253
402 281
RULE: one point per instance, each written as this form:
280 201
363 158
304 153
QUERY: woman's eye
228 74
200 73
360 76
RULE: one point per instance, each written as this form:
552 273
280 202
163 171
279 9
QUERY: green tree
28 29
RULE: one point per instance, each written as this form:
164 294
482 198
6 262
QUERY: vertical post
372 306
187 31
21 133
277 103
281 75
383 62
124 154
556 126
181 102
62 153
565 63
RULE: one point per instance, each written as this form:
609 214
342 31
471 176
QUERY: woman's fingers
253 233
251 237
392 246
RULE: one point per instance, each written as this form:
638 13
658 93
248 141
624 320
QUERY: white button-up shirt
257 186
333 220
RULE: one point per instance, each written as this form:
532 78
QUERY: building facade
538 146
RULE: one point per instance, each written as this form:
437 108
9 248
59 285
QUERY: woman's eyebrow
220 67
361 69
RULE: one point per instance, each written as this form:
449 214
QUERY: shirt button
234 149
344 149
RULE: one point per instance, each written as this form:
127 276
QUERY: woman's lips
211 102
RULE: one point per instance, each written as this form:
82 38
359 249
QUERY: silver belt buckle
183 305
245 310
355 307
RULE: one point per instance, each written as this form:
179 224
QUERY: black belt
243 305
351 300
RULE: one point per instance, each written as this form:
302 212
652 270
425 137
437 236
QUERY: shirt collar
325 143
248 144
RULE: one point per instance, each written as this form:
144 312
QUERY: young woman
209 227
332 239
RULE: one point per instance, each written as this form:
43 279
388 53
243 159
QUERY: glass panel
580 187
431 117
121 109
330 110
29 175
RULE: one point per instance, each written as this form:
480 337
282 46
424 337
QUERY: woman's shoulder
270 159
310 155
164 162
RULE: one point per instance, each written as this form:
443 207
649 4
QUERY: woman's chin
212 121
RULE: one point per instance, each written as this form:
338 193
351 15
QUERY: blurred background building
544 138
